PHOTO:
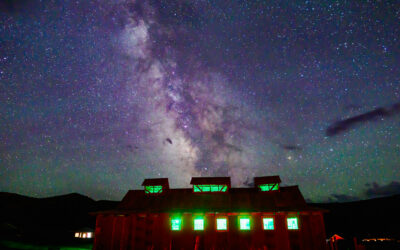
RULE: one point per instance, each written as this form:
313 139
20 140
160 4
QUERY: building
212 215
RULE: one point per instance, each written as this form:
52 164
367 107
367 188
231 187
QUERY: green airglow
176 224
292 223
222 224
268 187
210 188
199 224
268 223
244 223
153 189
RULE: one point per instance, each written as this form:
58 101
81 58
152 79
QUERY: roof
234 200
156 182
266 180
211 180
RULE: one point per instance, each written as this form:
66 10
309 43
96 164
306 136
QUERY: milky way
98 95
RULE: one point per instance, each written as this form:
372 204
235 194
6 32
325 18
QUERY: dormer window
210 184
155 186
267 183
153 189
210 188
269 187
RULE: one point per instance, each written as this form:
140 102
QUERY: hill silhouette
47 218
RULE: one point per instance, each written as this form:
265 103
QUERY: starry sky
97 95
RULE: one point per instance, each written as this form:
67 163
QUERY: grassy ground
5 244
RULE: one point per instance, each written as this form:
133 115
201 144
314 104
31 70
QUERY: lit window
89 235
244 223
153 189
176 224
292 223
268 223
210 188
199 224
76 235
268 187
222 224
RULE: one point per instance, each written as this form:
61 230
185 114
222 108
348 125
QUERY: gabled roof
211 180
266 180
156 182
234 200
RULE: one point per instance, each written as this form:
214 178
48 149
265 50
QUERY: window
268 187
210 188
153 189
268 223
292 223
199 224
222 224
176 224
244 223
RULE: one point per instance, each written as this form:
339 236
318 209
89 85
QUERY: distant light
76 235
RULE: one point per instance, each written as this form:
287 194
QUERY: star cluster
95 96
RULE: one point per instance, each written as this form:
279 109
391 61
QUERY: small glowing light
89 235
289 157
292 223
268 223
222 224
199 224
76 235
244 223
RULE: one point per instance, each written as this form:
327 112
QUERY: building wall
152 231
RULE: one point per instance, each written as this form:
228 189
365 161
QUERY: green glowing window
153 189
176 224
292 223
268 223
199 224
222 224
269 187
210 188
244 223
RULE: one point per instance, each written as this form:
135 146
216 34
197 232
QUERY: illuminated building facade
212 215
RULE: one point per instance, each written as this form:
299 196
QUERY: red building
212 215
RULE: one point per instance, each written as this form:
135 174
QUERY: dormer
155 186
267 183
210 184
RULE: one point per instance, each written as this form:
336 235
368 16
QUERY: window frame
194 223
297 223
240 225
216 224
273 223
180 223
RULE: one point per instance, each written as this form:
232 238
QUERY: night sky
97 95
